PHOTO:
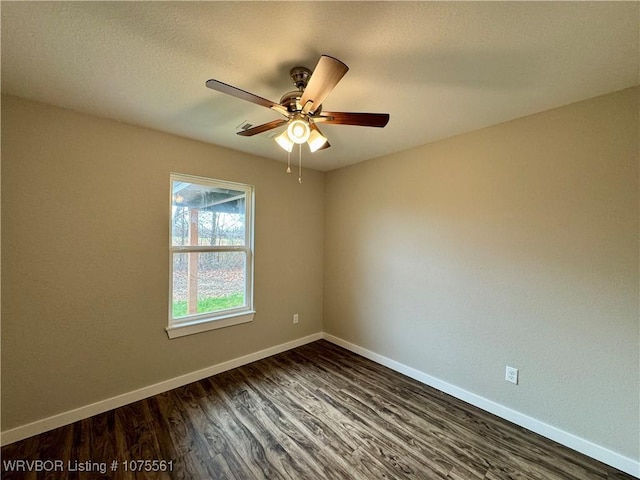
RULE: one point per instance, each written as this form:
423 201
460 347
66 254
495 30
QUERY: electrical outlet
296 319
511 375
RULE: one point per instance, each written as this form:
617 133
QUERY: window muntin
211 251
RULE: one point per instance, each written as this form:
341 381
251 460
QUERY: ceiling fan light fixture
316 140
284 141
302 108
298 131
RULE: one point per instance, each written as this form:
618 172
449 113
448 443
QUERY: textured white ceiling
439 68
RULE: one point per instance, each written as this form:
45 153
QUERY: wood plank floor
315 412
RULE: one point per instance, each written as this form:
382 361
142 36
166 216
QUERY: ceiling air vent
245 125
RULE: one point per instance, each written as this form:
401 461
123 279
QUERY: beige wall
513 245
516 244
85 228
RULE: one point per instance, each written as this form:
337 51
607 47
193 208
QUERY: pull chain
300 164
288 162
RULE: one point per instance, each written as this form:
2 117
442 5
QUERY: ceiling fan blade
262 128
244 95
325 77
359 119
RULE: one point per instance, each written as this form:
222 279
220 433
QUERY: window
211 250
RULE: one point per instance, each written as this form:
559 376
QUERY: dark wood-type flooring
315 412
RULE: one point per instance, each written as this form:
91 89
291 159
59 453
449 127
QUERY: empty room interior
309 240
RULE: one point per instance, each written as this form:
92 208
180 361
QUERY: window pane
203 215
206 282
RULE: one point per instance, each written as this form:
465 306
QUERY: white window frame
213 320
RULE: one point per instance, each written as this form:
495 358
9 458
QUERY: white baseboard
65 418
602 454
625 464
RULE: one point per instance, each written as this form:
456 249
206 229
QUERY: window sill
197 326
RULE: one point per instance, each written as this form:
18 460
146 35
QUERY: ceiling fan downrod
300 77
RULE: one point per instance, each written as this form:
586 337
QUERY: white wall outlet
511 375
296 319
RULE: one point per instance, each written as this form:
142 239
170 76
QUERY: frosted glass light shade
284 141
298 131
316 140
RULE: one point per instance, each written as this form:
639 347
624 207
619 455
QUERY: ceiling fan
302 108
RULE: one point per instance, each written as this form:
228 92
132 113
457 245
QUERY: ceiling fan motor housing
291 101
